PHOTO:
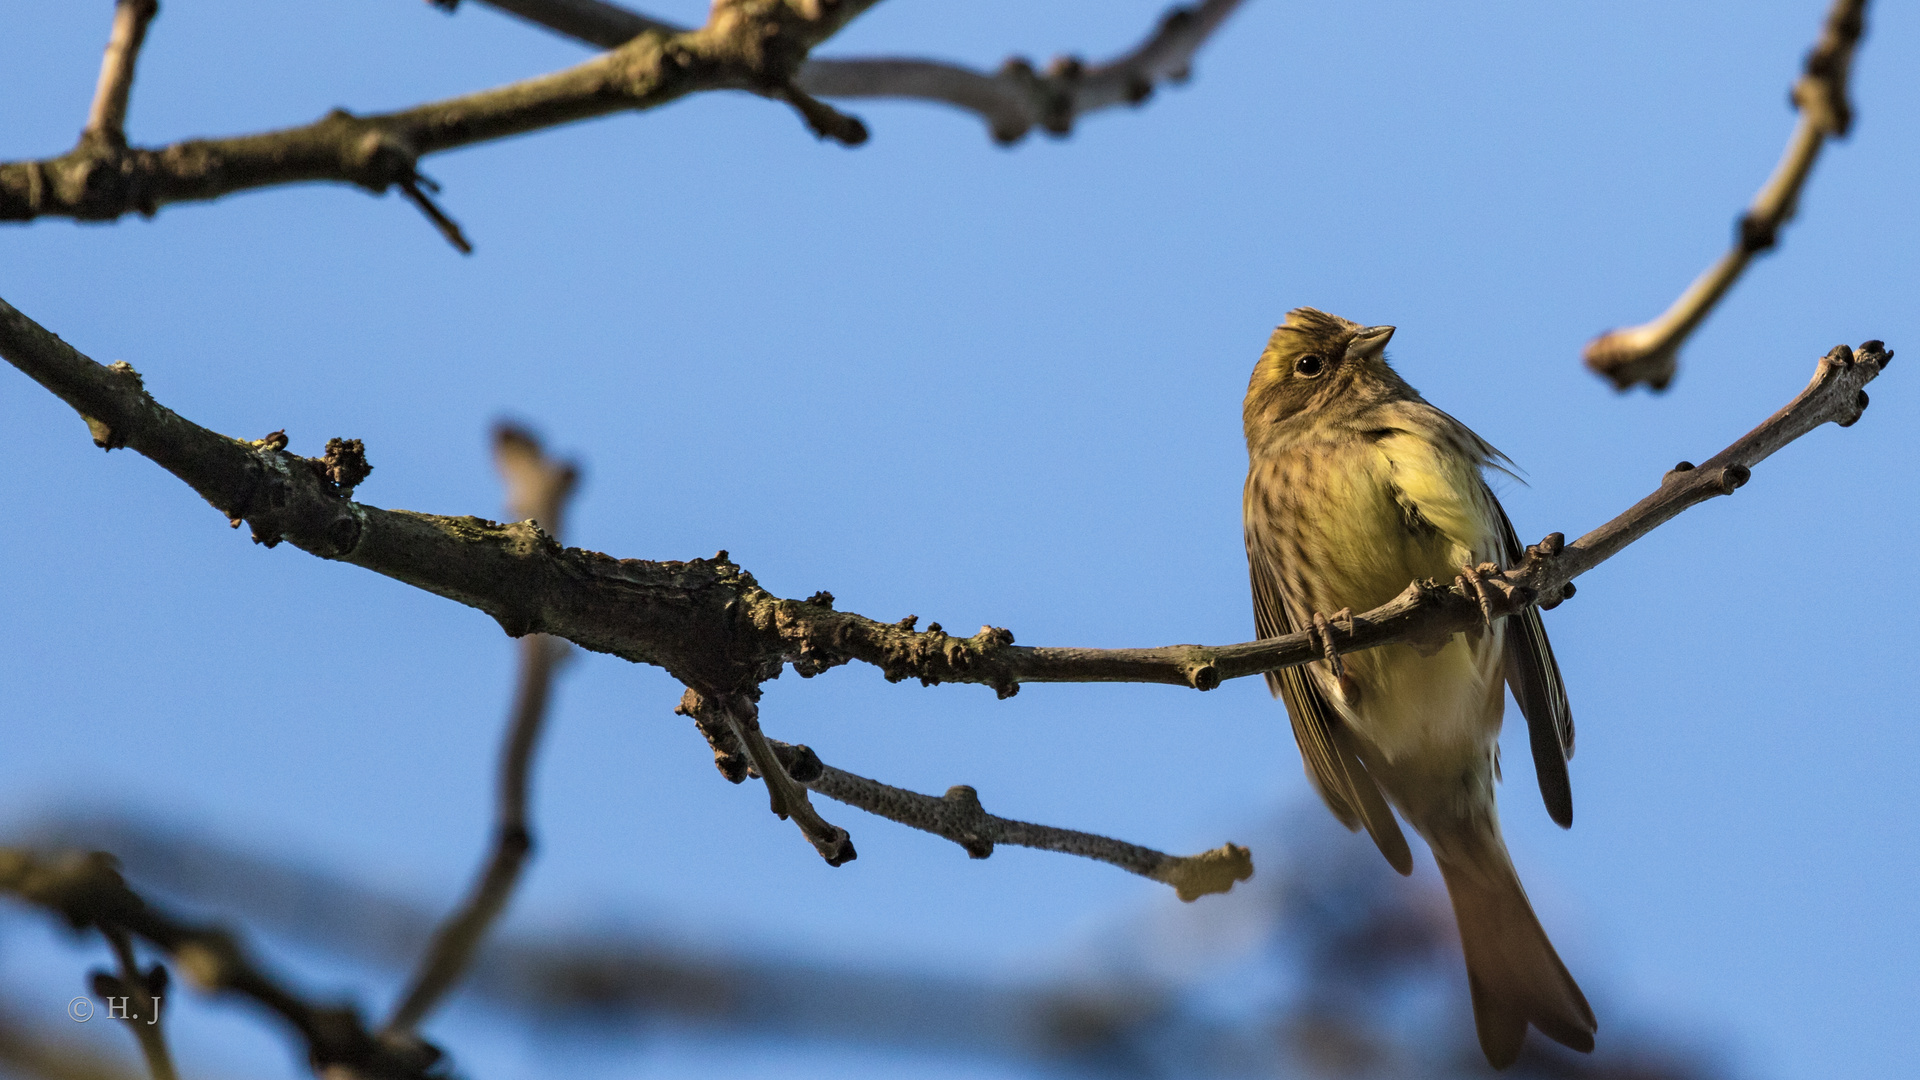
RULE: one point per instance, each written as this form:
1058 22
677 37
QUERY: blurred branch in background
28 1049
1369 962
87 891
538 488
1649 353
1013 100
144 992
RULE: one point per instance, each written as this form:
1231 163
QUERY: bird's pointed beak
1368 344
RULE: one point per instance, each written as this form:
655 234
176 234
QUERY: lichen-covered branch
1649 353
710 625
538 488
1013 100
86 890
753 45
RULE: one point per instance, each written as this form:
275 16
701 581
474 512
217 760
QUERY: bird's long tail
1515 975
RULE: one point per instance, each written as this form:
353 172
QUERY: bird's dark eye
1310 365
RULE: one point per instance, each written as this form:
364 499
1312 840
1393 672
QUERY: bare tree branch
87 891
538 488
107 120
710 625
1012 100
753 45
756 45
1649 353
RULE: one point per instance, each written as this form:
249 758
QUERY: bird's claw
1323 634
1473 581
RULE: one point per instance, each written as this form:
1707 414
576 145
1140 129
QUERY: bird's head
1317 363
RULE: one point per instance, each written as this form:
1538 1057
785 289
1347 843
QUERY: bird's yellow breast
1386 512
1354 522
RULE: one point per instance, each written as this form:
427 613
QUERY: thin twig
1649 353
1013 100
708 622
538 488
959 817
107 119
825 121
145 991
416 189
86 890
731 723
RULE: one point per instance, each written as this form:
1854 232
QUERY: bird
1356 487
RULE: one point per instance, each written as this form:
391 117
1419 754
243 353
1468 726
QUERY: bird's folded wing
1325 745
1534 676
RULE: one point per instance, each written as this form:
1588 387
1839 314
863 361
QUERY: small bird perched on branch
1356 487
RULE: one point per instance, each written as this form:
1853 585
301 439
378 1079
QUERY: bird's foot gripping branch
710 624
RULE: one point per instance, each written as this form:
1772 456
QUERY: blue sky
986 385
